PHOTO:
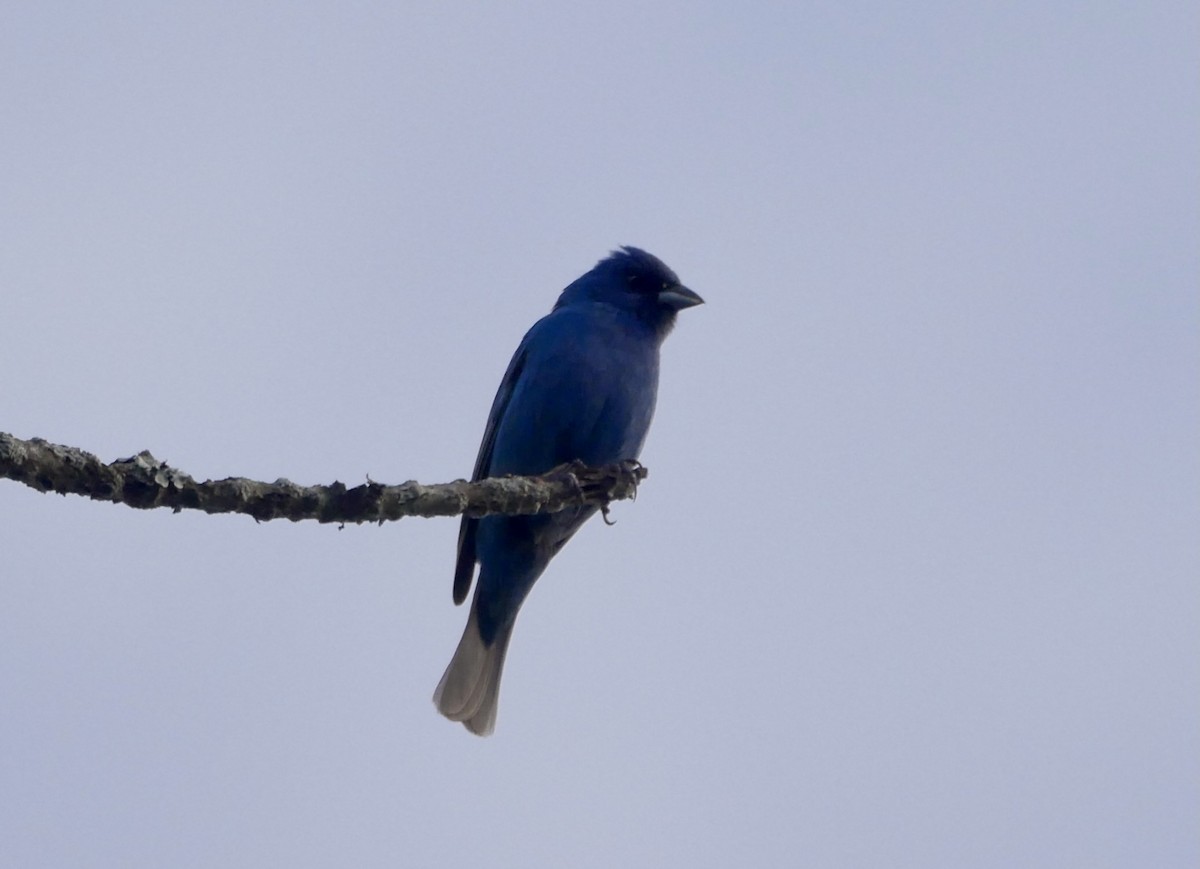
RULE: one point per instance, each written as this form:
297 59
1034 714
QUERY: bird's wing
464 570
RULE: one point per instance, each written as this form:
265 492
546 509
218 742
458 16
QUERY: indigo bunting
581 385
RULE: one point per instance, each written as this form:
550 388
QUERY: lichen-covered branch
145 482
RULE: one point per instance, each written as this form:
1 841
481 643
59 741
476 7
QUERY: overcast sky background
913 580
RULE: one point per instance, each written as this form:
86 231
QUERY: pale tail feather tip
470 688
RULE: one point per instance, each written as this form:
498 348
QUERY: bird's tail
470 687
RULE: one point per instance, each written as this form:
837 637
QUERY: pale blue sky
913 581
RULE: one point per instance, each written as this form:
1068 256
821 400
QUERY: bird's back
586 392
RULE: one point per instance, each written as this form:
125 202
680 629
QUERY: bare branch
145 482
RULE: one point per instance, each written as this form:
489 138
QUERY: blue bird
581 385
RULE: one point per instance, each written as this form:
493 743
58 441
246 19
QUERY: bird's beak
679 297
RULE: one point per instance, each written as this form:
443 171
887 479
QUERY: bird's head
635 281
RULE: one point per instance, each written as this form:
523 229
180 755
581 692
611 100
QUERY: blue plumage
581 385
